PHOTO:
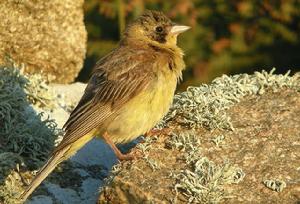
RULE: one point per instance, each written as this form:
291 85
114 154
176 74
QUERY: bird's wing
115 81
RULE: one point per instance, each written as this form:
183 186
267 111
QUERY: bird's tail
54 160
57 157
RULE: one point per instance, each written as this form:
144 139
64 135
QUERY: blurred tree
227 36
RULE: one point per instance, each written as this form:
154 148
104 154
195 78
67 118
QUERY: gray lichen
23 132
39 93
184 141
202 181
144 148
275 184
218 140
205 106
26 137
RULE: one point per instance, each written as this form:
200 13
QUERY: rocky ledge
234 140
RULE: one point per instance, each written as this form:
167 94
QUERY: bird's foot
119 154
129 156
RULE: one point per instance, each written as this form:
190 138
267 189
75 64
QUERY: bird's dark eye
159 29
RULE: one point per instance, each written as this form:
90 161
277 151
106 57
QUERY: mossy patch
26 137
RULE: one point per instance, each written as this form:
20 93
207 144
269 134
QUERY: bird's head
155 28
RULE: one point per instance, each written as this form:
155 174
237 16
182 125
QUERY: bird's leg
164 131
118 153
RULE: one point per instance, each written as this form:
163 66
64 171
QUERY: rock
123 191
47 36
82 172
60 115
90 191
202 164
69 95
197 164
95 152
71 92
63 195
40 199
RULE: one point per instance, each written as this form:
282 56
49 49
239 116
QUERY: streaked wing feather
104 95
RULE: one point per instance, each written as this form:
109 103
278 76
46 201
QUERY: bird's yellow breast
142 112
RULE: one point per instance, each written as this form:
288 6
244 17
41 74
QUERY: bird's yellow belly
142 113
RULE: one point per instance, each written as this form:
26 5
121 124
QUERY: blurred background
227 36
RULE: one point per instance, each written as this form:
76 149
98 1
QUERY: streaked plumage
130 90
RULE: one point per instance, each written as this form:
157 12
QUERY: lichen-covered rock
233 141
26 138
47 36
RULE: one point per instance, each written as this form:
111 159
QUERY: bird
129 91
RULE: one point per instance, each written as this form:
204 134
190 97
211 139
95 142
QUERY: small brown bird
130 90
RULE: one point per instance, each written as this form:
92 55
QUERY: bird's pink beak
177 29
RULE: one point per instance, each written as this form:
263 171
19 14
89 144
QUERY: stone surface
70 95
47 36
265 124
95 152
96 155
264 144
63 195
41 199
90 190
